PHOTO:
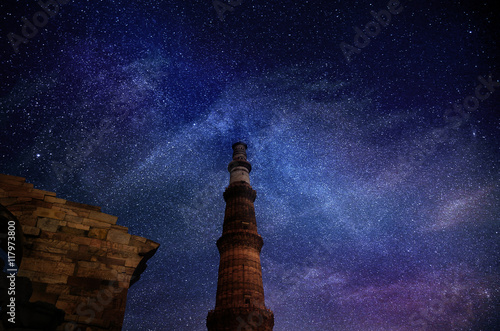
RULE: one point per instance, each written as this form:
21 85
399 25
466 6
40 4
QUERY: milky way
376 165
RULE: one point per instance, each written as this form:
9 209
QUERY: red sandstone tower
240 294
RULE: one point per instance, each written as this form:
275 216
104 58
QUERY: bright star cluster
377 189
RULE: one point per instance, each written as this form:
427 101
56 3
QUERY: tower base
240 319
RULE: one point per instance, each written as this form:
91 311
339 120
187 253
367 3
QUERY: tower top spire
239 151
239 168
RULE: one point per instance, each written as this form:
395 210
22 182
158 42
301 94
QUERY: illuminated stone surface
76 257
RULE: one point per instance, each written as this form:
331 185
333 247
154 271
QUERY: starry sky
374 148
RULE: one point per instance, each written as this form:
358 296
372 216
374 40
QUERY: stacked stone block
76 256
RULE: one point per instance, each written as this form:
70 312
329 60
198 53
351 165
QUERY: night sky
375 154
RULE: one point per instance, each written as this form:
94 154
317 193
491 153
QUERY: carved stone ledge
240 190
240 239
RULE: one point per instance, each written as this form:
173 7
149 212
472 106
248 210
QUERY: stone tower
240 303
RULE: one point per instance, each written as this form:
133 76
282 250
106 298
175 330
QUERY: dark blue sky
378 206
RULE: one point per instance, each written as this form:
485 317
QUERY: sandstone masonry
76 257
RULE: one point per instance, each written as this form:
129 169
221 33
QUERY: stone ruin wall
77 258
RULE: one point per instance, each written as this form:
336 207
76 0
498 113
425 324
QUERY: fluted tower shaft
240 293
